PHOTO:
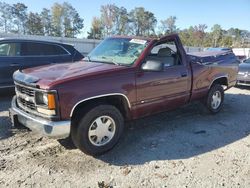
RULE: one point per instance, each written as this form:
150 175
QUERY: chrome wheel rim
102 130
216 100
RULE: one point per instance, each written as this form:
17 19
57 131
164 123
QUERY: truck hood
47 76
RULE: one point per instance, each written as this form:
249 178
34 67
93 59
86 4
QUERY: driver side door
166 89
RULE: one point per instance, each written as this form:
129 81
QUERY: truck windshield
247 61
120 51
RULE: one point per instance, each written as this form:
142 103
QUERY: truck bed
212 57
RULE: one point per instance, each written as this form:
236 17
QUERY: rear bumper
243 83
243 80
55 129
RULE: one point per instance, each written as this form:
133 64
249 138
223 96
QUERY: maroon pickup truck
124 78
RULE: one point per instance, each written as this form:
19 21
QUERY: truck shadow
184 133
180 134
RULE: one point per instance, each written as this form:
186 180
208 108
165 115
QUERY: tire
215 98
98 130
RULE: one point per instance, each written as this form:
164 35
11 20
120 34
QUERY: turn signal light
51 102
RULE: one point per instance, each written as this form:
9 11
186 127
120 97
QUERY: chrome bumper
243 83
55 129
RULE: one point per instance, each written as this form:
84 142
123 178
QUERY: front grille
26 101
25 98
26 104
25 90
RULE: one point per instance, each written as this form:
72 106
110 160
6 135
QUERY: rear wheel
98 130
215 98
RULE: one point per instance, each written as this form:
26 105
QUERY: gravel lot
184 148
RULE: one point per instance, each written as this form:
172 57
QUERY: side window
32 49
10 49
59 50
167 53
41 49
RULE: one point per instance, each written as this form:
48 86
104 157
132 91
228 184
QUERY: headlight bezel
41 99
46 102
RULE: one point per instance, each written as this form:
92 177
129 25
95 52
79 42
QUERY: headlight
46 100
46 103
41 99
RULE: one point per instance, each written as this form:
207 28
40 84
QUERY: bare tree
19 12
142 22
108 15
199 34
96 31
6 16
34 24
46 21
217 34
168 26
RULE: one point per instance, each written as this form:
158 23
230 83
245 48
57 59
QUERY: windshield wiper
110 62
88 58
102 60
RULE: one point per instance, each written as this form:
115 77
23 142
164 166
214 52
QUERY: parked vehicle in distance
244 73
241 58
22 53
123 78
218 49
246 61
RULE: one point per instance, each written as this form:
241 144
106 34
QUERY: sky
227 13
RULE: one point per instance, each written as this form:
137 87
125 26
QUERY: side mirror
153 65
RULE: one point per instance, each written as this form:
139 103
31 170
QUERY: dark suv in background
22 53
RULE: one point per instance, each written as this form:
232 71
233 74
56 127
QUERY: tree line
62 20
59 20
116 20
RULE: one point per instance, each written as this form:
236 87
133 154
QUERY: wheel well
222 81
118 101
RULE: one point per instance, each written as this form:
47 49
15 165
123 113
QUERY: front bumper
55 129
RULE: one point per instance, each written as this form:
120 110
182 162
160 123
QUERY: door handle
14 64
184 74
157 83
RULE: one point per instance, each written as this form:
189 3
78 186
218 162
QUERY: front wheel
215 98
98 130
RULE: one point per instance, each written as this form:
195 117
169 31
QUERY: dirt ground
184 148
